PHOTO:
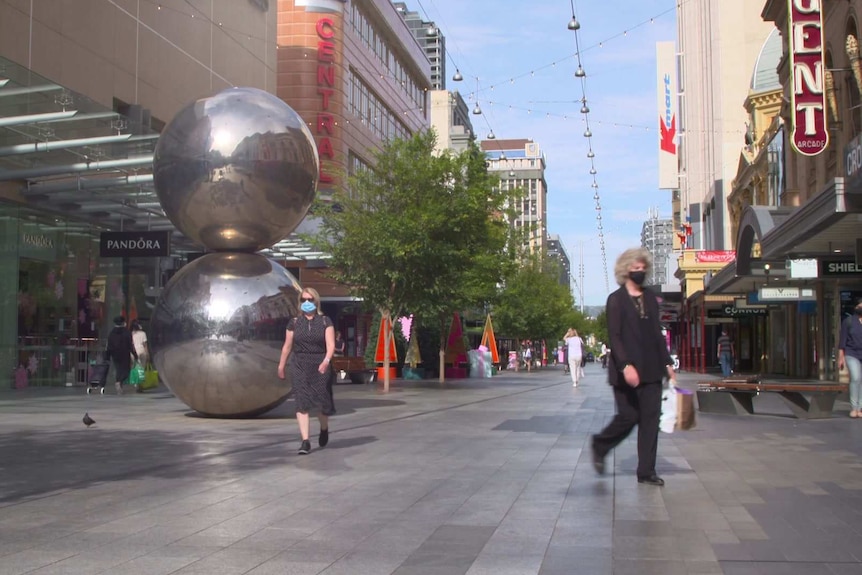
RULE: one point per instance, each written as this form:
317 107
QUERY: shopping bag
151 378
685 414
668 418
136 376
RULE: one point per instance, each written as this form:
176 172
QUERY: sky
524 58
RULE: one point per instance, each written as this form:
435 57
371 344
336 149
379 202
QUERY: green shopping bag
137 375
151 378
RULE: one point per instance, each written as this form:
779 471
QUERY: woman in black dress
311 338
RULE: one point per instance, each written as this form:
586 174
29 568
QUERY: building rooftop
765 75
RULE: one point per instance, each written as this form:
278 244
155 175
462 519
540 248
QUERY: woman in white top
576 353
139 338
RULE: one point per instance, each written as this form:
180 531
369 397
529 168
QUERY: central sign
808 135
325 89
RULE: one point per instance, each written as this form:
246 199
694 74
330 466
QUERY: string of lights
581 75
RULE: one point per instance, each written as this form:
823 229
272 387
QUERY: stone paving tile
474 477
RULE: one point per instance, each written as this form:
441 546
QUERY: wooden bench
736 397
353 368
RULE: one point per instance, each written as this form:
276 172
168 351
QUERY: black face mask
637 277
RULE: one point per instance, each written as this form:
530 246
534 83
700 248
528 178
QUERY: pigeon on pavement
88 421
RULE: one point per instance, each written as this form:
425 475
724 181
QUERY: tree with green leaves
534 305
418 233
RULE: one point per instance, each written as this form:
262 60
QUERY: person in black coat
638 362
121 349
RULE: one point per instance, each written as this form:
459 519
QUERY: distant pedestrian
725 353
309 343
139 339
575 345
339 344
528 355
850 354
638 362
120 350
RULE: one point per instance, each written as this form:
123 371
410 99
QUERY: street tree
419 233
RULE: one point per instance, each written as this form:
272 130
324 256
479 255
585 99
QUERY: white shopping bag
667 421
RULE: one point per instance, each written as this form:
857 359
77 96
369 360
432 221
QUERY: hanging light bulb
502 156
477 110
588 133
579 73
431 30
511 173
591 154
594 185
585 109
592 171
491 135
457 77
596 196
574 24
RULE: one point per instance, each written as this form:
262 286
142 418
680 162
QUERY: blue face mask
308 306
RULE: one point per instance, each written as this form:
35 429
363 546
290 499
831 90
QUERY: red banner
714 256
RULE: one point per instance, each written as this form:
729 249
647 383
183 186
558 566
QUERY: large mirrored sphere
217 331
236 171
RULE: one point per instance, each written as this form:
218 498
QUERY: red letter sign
807 96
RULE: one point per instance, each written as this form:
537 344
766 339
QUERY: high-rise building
432 41
657 237
718 44
521 165
557 253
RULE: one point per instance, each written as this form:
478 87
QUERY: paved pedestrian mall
476 477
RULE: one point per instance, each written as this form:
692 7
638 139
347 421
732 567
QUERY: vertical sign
808 135
325 89
668 160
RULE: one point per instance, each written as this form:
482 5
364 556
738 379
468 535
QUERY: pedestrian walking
575 345
725 353
638 363
850 354
339 345
139 339
309 343
120 350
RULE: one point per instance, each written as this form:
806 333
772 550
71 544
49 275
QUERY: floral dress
310 387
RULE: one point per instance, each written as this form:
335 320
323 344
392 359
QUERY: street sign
802 269
786 293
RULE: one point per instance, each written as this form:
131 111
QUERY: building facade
92 82
521 166
718 43
432 41
557 253
450 119
657 237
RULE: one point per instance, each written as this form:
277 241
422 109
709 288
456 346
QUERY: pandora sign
808 99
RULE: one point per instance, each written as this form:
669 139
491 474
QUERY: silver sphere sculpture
236 171
217 331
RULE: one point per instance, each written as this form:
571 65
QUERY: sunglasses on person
311 299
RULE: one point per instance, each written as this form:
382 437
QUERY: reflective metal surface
217 331
236 171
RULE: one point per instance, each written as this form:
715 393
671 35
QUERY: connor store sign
134 244
808 135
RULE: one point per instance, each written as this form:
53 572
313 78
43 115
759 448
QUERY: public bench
736 396
353 368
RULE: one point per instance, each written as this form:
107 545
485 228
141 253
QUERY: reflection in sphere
236 171
217 331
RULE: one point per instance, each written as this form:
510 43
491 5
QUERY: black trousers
639 406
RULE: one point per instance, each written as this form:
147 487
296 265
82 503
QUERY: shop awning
828 223
746 272
61 153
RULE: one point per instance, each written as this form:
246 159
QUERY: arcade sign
808 134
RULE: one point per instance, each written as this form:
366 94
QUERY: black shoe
305 448
598 462
652 480
324 438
